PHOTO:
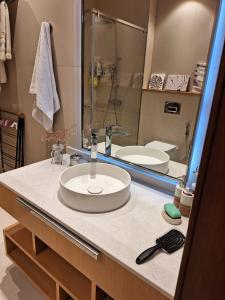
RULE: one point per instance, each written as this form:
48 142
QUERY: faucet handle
94 131
94 143
111 127
94 136
108 130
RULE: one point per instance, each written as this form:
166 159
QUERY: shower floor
14 285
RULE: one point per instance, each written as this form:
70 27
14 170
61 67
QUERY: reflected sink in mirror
95 187
153 159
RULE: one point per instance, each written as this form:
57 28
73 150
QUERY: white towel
43 82
3 78
5 40
5 37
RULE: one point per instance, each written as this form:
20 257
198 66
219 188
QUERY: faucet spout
94 144
108 140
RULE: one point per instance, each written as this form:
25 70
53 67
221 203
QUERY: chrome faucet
108 140
94 144
110 131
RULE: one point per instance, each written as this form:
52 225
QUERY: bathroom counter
122 235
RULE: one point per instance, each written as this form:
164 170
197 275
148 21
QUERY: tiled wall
26 16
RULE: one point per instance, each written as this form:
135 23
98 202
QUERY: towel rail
11 140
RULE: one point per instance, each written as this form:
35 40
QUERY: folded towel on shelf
201 73
43 83
198 80
202 64
5 37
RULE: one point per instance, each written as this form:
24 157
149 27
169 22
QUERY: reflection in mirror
144 71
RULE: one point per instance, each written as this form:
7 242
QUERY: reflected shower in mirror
144 69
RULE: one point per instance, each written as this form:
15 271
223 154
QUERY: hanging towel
43 83
5 38
3 78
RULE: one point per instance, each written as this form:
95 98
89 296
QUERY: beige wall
134 11
182 35
65 19
157 125
150 42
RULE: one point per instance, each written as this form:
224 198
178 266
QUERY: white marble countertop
122 234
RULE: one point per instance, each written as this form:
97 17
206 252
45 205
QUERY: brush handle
147 253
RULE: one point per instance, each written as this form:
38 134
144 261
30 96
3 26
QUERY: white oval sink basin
95 187
149 158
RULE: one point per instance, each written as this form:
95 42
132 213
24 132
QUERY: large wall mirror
145 65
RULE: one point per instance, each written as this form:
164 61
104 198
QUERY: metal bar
4 143
5 159
76 240
22 142
8 165
10 113
17 142
8 155
9 134
106 16
1 151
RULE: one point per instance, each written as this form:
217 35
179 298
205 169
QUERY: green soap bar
172 211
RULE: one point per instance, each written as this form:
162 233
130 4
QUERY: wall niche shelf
172 92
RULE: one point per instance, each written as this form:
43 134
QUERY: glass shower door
114 64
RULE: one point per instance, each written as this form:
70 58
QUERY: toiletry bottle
98 67
177 195
186 201
193 187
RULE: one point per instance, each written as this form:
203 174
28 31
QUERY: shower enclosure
114 52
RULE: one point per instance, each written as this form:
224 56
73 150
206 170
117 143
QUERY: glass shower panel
113 76
87 81
105 71
131 45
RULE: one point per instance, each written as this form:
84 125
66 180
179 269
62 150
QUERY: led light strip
208 94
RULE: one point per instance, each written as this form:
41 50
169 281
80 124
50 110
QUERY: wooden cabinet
50 272
60 268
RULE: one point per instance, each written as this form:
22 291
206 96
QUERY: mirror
145 64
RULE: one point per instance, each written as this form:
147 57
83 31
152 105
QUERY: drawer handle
76 240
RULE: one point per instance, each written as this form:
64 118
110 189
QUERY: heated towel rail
11 140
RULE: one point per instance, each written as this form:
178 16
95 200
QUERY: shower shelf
173 92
